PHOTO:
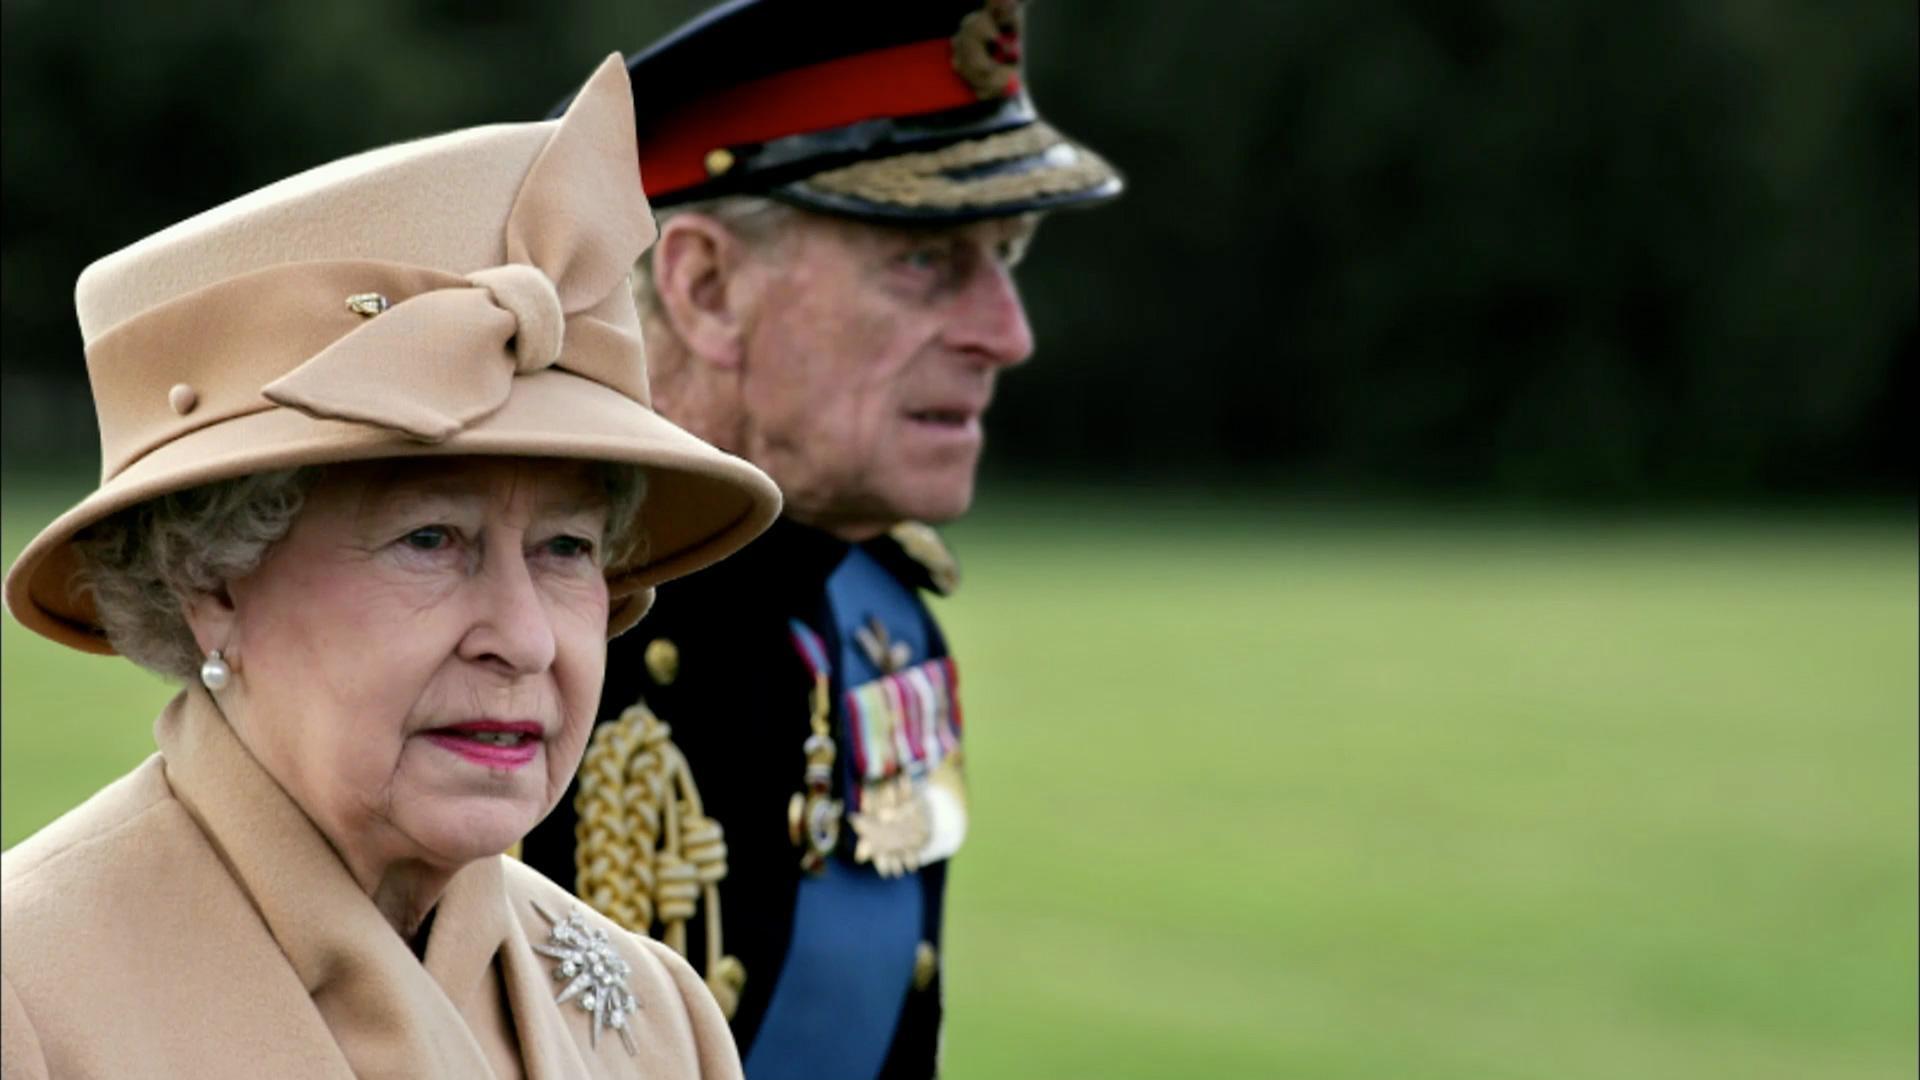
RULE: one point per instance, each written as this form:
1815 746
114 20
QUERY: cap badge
718 161
986 49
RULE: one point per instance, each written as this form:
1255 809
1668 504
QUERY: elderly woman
380 479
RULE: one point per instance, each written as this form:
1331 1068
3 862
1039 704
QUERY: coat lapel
387 1013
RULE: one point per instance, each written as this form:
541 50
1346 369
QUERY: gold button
926 964
719 160
663 661
367 304
183 398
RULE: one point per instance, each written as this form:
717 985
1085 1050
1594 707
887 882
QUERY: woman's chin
465 830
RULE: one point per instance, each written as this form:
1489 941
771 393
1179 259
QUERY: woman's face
419 660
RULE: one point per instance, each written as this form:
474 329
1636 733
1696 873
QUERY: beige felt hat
464 294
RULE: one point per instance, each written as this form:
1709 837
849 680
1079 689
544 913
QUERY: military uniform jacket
190 921
737 700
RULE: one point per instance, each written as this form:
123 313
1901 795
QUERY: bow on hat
411 368
418 351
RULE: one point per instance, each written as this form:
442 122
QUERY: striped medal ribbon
904 727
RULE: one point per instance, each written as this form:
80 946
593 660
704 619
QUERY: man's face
870 358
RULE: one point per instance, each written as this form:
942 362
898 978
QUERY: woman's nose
512 629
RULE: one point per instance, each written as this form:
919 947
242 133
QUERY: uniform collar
793 561
887 550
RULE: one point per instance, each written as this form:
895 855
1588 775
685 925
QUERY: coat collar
390 1013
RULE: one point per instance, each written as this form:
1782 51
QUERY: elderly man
844 191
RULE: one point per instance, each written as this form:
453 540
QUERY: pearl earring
214 673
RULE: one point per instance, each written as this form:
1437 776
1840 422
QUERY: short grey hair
141 564
755 219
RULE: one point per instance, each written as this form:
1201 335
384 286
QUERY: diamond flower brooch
595 975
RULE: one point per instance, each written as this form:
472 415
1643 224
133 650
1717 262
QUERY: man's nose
989 320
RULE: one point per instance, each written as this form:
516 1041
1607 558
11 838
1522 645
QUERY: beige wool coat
190 921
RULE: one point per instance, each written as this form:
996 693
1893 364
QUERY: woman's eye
430 538
570 547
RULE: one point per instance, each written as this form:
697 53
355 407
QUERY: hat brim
1028 169
701 503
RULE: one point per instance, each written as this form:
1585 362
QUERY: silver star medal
595 975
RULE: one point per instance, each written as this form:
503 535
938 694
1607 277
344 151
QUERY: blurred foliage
1576 249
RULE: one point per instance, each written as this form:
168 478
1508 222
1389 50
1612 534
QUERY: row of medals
893 823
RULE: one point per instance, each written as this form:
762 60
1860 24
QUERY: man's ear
210 615
697 274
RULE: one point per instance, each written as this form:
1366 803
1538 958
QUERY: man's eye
926 258
429 538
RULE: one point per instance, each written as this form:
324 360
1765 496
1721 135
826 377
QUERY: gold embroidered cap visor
1024 170
460 295
897 113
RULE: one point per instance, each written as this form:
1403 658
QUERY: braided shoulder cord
645 852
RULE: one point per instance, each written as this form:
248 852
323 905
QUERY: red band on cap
905 80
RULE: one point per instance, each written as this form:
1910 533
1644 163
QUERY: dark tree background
1590 248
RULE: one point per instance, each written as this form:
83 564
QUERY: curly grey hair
141 563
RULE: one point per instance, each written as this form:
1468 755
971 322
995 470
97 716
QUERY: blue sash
845 979
850 962
860 593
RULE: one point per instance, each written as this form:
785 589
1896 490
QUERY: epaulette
919 542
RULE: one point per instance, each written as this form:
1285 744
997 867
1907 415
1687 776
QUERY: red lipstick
491 744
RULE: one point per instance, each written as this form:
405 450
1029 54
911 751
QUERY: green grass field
1358 792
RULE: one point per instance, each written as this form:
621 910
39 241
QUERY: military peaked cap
883 110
